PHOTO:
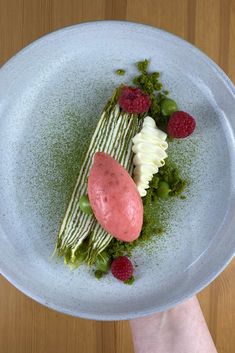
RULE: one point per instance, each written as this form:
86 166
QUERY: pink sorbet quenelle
114 198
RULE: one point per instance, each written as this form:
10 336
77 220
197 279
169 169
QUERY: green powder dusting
65 155
54 166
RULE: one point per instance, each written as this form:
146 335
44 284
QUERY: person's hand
179 330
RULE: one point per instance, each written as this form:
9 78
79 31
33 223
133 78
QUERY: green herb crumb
149 83
120 72
130 281
170 174
99 274
143 65
118 248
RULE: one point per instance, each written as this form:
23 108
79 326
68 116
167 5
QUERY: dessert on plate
126 173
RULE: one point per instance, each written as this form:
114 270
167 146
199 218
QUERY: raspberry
134 101
181 125
122 268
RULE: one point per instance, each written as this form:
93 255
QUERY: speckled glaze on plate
51 95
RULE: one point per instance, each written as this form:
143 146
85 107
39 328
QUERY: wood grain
28 327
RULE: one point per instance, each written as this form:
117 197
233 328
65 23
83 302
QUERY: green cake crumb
130 281
99 274
120 72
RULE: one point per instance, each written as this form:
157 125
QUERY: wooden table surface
28 327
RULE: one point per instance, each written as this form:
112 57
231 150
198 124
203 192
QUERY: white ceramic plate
51 95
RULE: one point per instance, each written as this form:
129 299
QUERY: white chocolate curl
149 146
